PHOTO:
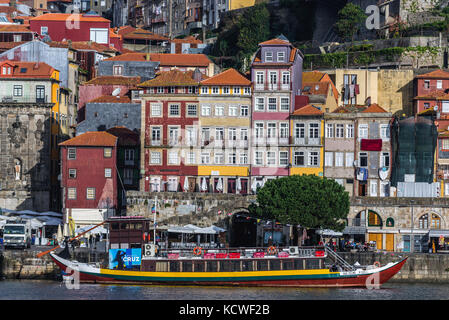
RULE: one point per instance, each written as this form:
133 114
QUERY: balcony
306 141
25 100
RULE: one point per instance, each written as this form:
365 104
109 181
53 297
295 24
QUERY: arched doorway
243 231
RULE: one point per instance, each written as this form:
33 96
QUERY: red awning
371 145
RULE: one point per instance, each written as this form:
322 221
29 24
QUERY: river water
54 290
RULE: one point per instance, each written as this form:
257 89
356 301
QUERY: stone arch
372 219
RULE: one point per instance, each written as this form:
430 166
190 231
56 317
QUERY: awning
329 233
435 233
354 230
371 145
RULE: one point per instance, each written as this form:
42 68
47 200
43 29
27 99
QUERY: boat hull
282 278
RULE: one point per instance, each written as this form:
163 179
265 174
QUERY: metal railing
338 260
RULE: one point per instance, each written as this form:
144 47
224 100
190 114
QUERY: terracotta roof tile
374 108
28 69
312 88
64 16
228 77
15 28
434 95
83 46
92 138
144 34
308 110
437 74
113 80
111 99
181 60
125 29
131 56
171 78
275 42
126 137
312 76
189 39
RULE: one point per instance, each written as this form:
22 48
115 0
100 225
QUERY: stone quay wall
420 267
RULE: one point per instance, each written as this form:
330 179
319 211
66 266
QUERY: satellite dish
435 108
116 92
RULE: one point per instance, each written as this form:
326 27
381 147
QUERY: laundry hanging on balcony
371 145
362 174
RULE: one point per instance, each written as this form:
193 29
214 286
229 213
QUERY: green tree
254 27
350 17
307 200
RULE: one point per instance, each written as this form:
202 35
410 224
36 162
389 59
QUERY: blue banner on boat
124 258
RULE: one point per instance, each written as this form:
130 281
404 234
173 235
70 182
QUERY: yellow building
224 129
239 4
307 145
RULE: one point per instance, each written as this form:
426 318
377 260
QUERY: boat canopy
329 233
190 228
97 230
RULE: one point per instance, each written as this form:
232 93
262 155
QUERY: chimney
197 76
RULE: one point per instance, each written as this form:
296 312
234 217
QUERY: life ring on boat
376 264
197 251
271 250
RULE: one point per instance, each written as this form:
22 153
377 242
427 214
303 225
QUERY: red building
75 27
89 177
432 92
171 119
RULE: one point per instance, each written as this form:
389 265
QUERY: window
44 30
244 134
260 104
445 144
313 158
226 90
283 130
219 110
243 158
363 131
174 110
107 172
160 90
129 154
272 104
363 159
156 110
192 110
191 159
373 188
236 90
299 158
244 111
259 130
219 134
384 131
259 77
269 56
232 134
285 78
71 193
232 158
205 134
385 159
90 193
445 107
349 131
283 158
258 158
72 173
173 135
173 157
99 35
271 130
155 158
313 130
117 70
281 56
204 90
190 134
205 158
329 130
339 159
273 78
339 131
285 104
218 158
17 37
328 159
233 111
439 84
107 152
247 90
349 159
215 90
205 110
271 158
299 130
156 135
426 84
18 91
71 153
